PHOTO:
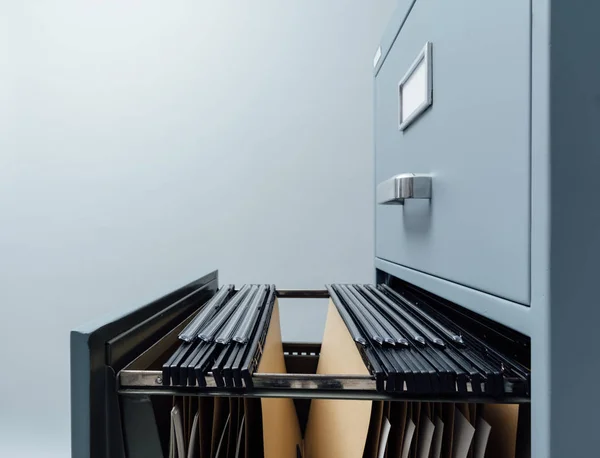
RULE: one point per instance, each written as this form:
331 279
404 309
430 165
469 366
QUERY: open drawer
345 369
119 386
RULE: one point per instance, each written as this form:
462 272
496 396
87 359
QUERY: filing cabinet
486 159
473 141
137 380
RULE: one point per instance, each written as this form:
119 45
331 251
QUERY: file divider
426 302
192 379
481 354
224 352
392 327
398 317
186 369
204 363
247 325
356 334
254 350
456 337
212 327
429 359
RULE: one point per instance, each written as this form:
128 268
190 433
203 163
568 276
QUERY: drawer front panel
472 140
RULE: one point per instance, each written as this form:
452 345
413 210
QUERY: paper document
482 434
436 446
222 444
385 432
193 444
426 430
177 438
463 435
408 435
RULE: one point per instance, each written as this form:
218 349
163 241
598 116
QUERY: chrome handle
404 186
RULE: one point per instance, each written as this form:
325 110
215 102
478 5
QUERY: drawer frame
111 386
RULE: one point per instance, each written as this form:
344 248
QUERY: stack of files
408 346
401 429
218 427
405 343
232 427
225 340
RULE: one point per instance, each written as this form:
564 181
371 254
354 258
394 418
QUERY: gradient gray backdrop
144 143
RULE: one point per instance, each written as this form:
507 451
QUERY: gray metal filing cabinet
487 146
487 151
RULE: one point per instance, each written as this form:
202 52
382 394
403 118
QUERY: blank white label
413 93
415 89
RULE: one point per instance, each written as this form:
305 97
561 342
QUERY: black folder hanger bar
190 332
228 343
409 346
440 358
496 366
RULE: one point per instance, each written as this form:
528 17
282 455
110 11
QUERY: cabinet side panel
575 227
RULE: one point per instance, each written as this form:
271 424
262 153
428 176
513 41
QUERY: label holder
415 89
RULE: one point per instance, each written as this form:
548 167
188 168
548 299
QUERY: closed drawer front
473 141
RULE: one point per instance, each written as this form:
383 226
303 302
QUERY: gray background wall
144 143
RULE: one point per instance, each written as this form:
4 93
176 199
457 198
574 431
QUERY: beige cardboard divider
280 426
341 428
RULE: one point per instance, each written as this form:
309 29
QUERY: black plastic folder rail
410 347
224 340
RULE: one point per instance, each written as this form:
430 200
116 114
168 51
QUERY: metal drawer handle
404 186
